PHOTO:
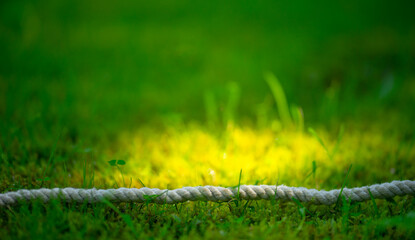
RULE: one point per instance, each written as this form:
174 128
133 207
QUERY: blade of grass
375 207
84 174
92 179
298 117
231 107
300 205
211 109
339 138
125 217
239 184
346 213
50 160
280 98
343 185
311 130
141 182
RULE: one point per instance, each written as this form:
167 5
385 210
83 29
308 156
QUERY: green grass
98 94
261 220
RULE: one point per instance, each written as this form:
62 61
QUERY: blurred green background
97 67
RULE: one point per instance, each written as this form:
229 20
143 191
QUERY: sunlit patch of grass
197 157
193 155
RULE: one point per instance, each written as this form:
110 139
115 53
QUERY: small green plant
118 164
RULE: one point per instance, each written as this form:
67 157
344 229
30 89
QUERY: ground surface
182 93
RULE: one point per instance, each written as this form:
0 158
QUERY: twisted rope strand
209 193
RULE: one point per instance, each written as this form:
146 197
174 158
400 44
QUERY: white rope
210 193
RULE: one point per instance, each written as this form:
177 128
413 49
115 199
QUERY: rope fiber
210 193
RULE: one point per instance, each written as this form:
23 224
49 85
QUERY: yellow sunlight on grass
193 156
